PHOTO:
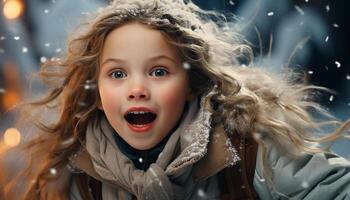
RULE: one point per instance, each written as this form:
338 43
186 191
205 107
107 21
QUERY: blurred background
311 35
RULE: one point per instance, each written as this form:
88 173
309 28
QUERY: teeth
138 112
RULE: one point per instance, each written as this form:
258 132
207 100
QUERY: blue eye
118 74
159 72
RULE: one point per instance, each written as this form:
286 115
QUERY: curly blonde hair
248 100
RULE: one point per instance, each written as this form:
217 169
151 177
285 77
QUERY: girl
152 104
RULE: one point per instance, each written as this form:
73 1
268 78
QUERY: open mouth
140 117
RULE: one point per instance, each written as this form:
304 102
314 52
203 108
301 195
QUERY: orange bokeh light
10 99
12 137
13 9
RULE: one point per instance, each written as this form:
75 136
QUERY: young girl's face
143 86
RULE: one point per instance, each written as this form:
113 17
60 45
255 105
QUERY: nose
139 92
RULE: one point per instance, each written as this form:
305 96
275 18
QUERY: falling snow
201 193
270 13
58 50
89 86
262 180
307 1
300 11
331 98
53 171
186 65
305 184
338 64
2 37
47 44
24 49
232 3
55 59
348 76
141 160
2 90
310 72
16 38
328 8
335 25
326 40
46 11
43 59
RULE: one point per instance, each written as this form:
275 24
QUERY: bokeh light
12 137
13 9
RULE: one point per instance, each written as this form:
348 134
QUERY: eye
159 72
118 74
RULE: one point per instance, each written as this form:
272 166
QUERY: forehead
137 39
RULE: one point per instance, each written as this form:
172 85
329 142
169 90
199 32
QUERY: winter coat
208 166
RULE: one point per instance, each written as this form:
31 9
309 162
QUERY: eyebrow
118 60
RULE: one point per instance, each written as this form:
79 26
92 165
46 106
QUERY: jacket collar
220 154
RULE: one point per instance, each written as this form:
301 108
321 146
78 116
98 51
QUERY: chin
143 146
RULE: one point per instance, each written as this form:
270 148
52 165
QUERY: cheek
108 96
174 96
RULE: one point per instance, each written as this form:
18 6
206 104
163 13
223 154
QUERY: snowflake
300 11
304 184
24 49
270 13
331 98
186 65
201 193
338 64
89 86
261 180
328 8
53 171
43 59
326 40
